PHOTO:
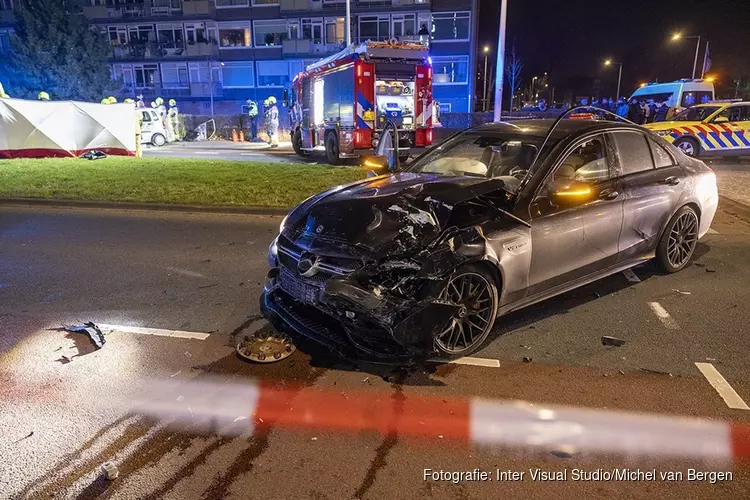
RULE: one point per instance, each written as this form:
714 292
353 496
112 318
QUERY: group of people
271 120
637 111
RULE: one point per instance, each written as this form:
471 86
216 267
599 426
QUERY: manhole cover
266 348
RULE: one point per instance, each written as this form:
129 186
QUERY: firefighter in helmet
172 121
3 95
252 113
273 122
43 96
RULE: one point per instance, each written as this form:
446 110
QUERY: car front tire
688 146
677 244
475 290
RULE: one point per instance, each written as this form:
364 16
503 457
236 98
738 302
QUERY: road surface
60 416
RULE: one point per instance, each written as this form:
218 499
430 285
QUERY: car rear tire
474 288
688 145
677 244
297 143
158 140
332 149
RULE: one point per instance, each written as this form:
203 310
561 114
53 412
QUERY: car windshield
696 114
480 155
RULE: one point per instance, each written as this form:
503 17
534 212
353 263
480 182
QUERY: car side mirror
570 193
375 165
721 119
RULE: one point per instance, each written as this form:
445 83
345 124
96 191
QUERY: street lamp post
610 62
484 95
678 36
500 65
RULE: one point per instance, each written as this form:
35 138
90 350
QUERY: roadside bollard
242 136
234 135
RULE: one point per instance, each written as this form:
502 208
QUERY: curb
158 207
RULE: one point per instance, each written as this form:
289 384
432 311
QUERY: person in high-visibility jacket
172 121
138 134
273 118
252 113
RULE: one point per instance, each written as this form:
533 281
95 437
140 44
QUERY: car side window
586 165
731 114
661 157
146 117
632 152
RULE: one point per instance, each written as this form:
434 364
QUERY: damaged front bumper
355 321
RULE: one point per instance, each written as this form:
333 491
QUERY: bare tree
514 73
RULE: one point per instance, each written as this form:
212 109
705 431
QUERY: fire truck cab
341 104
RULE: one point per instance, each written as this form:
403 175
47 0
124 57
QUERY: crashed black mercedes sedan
421 260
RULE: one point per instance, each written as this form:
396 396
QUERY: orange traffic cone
242 136
234 135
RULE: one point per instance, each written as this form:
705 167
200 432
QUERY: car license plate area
303 292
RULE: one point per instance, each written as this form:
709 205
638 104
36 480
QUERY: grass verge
169 180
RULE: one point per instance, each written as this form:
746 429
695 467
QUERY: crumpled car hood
393 214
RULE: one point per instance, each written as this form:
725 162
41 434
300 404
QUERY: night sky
571 39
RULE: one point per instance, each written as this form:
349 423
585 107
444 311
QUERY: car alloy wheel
471 324
158 140
682 239
686 146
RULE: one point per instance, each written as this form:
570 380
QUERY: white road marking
712 231
487 363
663 316
207 152
631 276
729 395
185 272
156 331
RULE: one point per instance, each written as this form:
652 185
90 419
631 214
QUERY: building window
146 76
270 33
232 35
223 4
170 36
5 40
451 26
277 73
374 28
141 34
265 2
117 35
404 27
335 30
238 74
450 70
174 75
312 29
200 33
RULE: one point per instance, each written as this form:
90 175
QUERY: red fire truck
341 104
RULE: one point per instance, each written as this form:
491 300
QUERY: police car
717 128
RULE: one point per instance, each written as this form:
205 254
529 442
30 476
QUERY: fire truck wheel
297 143
332 149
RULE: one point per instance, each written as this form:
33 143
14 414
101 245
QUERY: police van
678 95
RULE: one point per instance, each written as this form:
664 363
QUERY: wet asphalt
63 411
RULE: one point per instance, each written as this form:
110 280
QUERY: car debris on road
613 341
110 471
90 329
266 348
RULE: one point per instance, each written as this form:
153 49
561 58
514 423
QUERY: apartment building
218 53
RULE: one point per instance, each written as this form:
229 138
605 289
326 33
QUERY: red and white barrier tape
231 408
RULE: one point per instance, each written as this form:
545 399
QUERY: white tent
36 129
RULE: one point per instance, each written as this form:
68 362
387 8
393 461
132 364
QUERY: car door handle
608 194
670 181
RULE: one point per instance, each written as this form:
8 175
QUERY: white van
679 95
153 128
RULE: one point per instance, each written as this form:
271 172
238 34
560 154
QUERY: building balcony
306 5
197 7
117 10
153 50
152 90
308 47
166 8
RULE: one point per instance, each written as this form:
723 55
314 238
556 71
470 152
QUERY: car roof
540 127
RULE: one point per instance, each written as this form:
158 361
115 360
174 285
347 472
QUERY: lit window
233 35
270 33
451 26
450 70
